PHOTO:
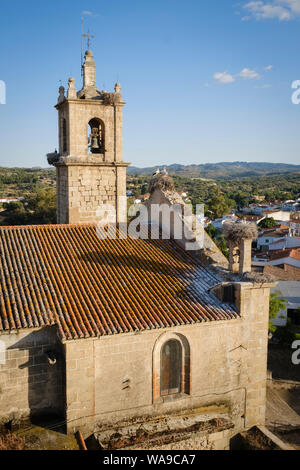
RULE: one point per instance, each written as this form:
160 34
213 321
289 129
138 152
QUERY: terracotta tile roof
271 211
288 253
287 273
274 233
252 217
66 275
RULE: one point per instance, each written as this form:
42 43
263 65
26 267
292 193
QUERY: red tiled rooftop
66 275
274 233
288 253
252 217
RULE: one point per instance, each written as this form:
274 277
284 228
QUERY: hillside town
276 250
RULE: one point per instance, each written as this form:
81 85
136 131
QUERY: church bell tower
90 171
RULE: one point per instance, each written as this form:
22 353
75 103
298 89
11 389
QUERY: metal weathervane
89 37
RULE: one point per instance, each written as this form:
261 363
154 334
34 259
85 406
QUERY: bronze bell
94 138
94 142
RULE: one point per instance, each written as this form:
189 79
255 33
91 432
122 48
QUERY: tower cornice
82 162
91 101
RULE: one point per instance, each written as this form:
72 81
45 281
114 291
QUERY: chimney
240 236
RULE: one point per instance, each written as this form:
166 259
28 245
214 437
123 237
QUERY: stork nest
53 157
259 278
240 231
111 98
165 183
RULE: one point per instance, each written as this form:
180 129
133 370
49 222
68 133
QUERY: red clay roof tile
66 275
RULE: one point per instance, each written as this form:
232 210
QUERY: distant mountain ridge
219 170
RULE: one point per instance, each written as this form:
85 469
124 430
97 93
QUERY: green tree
16 214
41 206
275 306
218 206
218 238
12 206
36 208
267 223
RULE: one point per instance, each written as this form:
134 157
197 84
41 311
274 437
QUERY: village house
288 289
8 200
291 205
280 213
290 292
268 237
256 219
295 226
107 332
290 256
284 243
218 223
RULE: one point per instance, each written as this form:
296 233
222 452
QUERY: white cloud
294 5
89 13
224 77
263 87
283 10
245 74
249 74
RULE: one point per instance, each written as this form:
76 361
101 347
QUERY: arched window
64 135
171 368
96 136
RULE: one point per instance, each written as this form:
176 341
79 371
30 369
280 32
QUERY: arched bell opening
64 136
96 136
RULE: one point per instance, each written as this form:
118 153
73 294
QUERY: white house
268 237
289 290
290 256
8 200
291 206
295 227
285 242
260 209
253 218
218 223
278 215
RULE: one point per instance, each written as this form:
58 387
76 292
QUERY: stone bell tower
89 167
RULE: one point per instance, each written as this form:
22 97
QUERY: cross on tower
89 37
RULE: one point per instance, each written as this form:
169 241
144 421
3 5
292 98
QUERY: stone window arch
171 367
96 136
64 136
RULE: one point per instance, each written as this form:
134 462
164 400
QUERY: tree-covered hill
220 170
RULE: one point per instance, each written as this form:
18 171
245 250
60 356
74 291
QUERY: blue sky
204 80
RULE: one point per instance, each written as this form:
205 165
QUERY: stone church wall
29 384
113 378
